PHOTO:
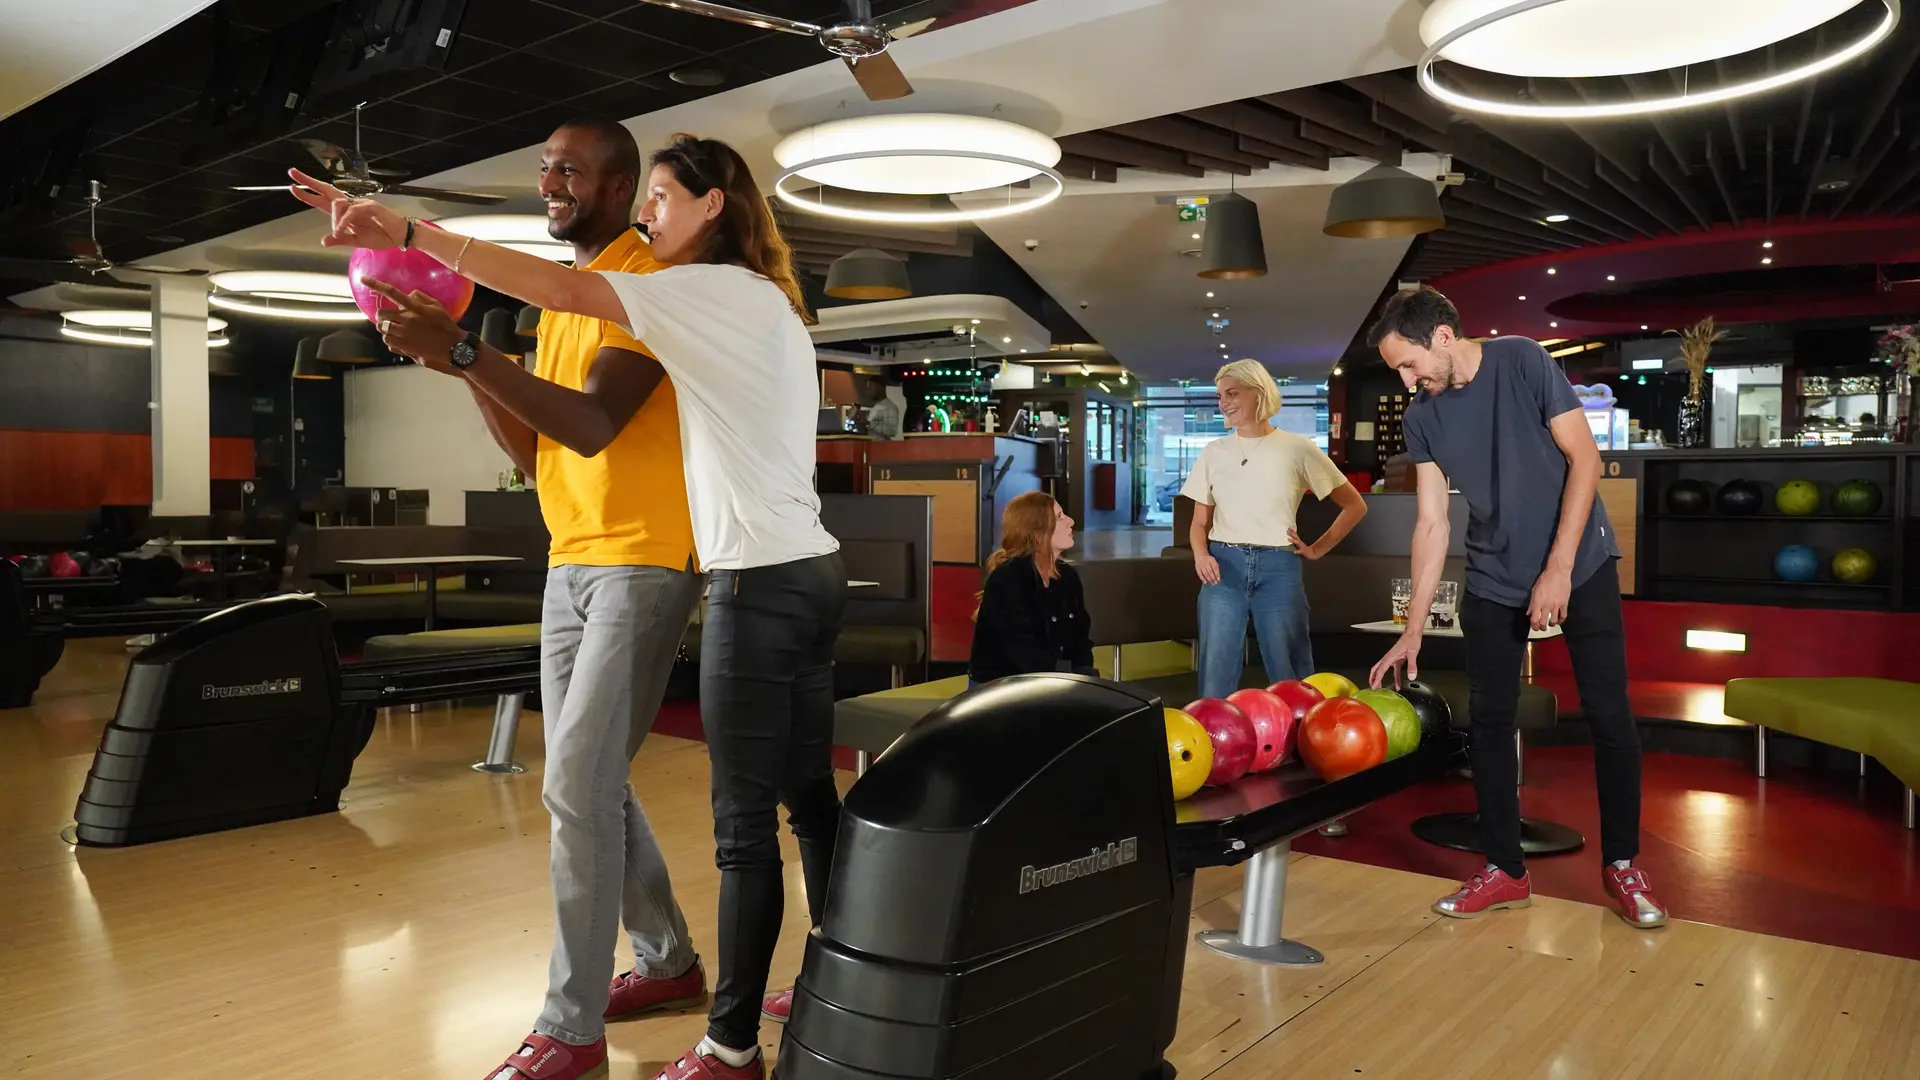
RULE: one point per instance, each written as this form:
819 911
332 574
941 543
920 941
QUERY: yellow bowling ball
1331 684
1189 752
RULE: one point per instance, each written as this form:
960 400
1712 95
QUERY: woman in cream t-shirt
1245 489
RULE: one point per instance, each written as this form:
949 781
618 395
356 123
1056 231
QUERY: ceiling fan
859 38
88 261
351 173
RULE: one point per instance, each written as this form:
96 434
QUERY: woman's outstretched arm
365 223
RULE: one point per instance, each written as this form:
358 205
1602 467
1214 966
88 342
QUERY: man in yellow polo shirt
598 428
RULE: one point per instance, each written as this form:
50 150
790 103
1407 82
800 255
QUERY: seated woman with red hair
1032 614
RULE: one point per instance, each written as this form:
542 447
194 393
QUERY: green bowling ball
1403 723
1797 498
1855 566
1857 498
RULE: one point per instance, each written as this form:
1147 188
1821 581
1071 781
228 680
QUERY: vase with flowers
1900 347
1696 344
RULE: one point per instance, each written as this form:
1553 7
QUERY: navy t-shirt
1492 440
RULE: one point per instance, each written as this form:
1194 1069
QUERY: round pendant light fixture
916 154
285 294
1383 202
306 360
868 274
1592 38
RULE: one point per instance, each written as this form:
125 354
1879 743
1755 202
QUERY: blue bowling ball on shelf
1796 562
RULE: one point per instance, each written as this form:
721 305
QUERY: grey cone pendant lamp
868 274
496 331
1384 202
306 361
348 347
1233 246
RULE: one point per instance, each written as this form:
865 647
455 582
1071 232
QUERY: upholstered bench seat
1879 718
430 642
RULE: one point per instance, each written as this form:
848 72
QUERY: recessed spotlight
1768 244
1336 371
1209 296
1643 326
1523 296
1766 261
1196 236
1552 270
1493 332
1555 219
1216 314
1023 350
1006 341
1609 277
1555 325
976 322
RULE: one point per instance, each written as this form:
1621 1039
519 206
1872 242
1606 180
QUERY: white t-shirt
1255 485
743 373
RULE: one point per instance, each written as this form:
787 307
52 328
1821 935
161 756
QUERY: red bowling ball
1342 736
1273 726
1232 736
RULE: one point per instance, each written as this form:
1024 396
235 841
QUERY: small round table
1460 830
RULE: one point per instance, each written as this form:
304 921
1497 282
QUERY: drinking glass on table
1446 605
1402 599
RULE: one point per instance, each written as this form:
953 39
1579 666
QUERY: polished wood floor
407 937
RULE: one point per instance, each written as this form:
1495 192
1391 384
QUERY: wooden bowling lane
1565 991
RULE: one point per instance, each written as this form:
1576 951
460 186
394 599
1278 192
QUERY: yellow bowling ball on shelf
1331 684
1189 752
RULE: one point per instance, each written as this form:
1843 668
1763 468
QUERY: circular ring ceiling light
123 326
916 154
520 232
285 294
1593 38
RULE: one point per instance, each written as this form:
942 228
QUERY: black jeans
766 701
1496 640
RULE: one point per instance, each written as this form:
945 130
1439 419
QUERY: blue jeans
1266 584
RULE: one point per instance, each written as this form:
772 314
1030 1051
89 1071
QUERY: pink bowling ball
406 271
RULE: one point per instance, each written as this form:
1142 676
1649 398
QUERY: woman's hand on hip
1207 567
1301 547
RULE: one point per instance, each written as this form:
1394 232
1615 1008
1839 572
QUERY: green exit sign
1193 213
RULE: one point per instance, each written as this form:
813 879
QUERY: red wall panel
81 470
1781 643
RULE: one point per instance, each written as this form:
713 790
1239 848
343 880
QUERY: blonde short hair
1251 375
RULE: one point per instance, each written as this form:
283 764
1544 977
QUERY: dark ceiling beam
1214 164
1403 96
1083 168
1386 152
1813 168
1247 144
1590 216
1611 146
1185 135
1681 188
1806 99
1869 165
1411 129
1328 110
1643 87
1890 78
1540 145
1519 227
1248 118
1720 181
1771 193
1470 236
1608 202
1731 111
1644 197
1500 202
1104 147
1499 160
1895 182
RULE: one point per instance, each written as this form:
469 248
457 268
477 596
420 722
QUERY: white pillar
182 421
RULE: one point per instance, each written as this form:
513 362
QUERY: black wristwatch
466 351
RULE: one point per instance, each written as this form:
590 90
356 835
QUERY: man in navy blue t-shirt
1501 423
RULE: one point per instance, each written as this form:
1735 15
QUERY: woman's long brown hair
1026 531
746 232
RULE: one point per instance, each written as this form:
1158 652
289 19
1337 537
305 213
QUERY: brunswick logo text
1095 861
259 689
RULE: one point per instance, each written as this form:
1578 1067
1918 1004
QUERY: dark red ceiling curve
1520 296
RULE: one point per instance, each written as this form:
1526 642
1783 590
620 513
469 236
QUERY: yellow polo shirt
627 505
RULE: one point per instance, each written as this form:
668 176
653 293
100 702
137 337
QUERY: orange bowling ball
1342 736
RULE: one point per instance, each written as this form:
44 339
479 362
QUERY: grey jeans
608 636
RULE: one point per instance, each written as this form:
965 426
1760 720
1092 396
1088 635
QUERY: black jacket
1026 626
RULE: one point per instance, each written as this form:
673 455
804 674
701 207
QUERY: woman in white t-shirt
725 319
1245 489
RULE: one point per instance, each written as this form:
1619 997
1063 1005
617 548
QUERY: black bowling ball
1436 717
1687 497
1738 497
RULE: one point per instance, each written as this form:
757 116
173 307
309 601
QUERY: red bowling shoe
633 993
695 1066
542 1057
778 1006
1483 893
1633 896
